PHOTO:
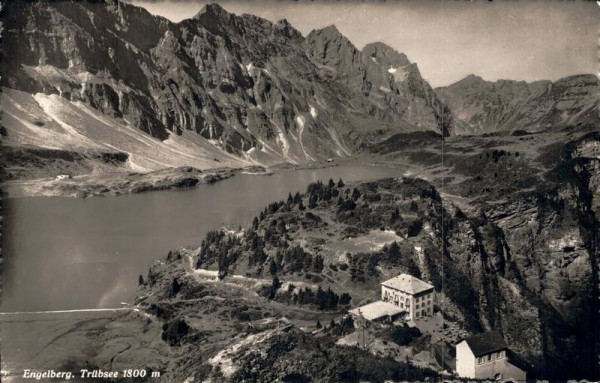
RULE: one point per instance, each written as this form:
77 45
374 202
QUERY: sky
519 40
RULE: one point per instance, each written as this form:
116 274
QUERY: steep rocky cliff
480 106
250 87
524 263
523 244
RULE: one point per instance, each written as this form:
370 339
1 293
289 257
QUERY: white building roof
377 310
408 284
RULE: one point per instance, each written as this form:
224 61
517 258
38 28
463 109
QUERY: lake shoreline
120 183
124 183
119 237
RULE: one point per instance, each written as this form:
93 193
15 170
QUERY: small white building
486 356
409 293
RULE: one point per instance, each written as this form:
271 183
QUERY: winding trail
129 345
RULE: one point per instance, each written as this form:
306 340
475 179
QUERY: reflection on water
66 253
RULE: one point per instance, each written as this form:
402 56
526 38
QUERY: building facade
486 356
409 293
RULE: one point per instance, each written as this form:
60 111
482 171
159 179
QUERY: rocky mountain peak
288 29
213 17
331 48
470 80
329 31
211 9
384 54
284 23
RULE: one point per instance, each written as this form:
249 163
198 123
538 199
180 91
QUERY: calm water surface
67 253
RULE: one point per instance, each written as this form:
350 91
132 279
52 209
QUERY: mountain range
480 106
225 90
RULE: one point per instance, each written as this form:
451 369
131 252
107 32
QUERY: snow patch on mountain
300 122
341 150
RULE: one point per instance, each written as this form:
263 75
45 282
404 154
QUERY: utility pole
362 324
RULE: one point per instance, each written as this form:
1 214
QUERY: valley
225 92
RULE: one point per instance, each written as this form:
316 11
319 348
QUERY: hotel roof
408 284
377 310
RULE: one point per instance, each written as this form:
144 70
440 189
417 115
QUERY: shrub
174 331
414 228
403 335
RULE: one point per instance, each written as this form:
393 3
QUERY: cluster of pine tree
323 299
226 249
347 200
295 259
364 265
219 247
318 191
276 232
256 246
430 192
497 154
345 326
392 255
